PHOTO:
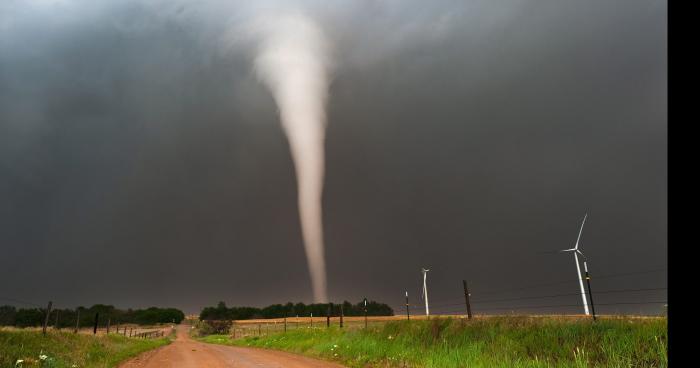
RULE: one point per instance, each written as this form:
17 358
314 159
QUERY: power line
477 302
568 294
572 280
562 305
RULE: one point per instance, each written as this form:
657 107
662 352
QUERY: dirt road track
187 353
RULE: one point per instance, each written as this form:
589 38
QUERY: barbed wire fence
52 314
483 303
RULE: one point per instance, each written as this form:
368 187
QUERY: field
65 349
483 342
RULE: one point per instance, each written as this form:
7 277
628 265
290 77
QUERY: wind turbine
425 290
576 252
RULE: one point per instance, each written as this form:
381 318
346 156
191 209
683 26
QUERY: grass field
483 342
66 349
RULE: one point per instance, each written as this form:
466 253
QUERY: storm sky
143 163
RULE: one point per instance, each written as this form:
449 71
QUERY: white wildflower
43 356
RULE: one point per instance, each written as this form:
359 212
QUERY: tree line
222 312
31 317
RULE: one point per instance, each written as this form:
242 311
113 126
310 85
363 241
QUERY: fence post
285 322
341 315
365 313
466 297
590 294
408 314
328 314
56 325
109 320
97 318
46 319
312 319
77 321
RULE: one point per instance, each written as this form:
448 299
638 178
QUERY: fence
51 317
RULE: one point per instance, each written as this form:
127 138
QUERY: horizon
145 161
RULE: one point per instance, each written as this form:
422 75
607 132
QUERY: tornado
293 61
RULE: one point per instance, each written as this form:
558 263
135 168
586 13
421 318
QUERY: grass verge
488 342
25 348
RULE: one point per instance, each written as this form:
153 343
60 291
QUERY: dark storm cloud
142 163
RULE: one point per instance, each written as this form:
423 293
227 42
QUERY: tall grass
487 342
66 349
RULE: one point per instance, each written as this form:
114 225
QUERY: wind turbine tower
576 252
425 291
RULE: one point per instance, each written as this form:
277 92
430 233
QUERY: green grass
488 342
66 349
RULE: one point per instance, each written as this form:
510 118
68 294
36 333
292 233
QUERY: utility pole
408 314
46 319
97 318
466 297
365 313
77 321
590 294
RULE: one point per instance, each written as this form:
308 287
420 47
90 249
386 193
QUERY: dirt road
187 353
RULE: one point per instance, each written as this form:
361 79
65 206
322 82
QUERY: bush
211 327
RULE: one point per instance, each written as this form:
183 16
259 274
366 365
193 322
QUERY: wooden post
590 294
328 314
285 322
131 330
341 315
77 320
408 314
56 325
46 319
97 318
117 327
466 298
312 319
109 320
259 329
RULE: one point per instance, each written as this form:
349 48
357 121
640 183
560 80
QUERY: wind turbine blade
580 231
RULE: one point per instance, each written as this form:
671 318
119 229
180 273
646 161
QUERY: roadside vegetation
483 342
29 348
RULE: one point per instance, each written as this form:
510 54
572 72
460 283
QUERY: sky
142 162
